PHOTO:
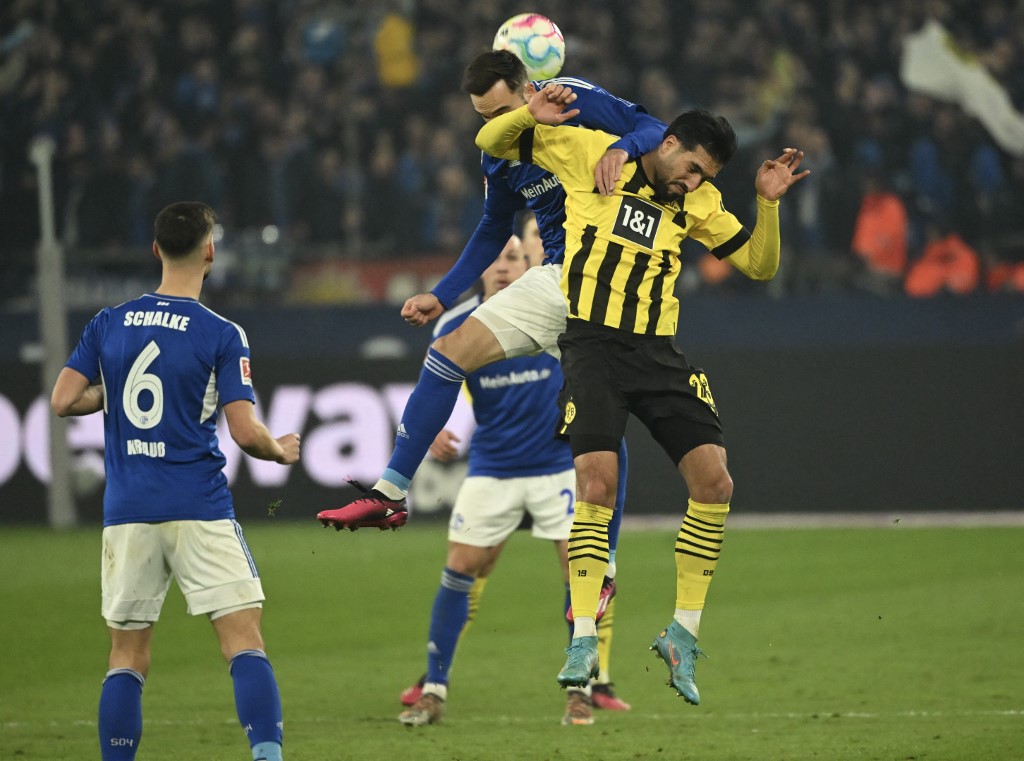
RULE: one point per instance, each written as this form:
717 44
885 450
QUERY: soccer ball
536 41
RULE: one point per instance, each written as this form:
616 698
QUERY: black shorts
610 373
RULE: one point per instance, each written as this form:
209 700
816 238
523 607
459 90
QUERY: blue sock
120 720
258 703
620 503
451 609
428 409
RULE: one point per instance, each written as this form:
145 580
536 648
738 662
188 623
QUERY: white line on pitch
703 715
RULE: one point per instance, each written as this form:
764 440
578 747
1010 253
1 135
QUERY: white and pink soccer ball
536 41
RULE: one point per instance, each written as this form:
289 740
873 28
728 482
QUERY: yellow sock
475 593
588 557
698 546
604 642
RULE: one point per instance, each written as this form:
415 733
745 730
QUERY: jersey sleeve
759 257
234 371
717 229
503 136
86 356
646 135
569 153
599 109
489 238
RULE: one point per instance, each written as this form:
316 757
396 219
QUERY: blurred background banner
881 369
934 64
826 409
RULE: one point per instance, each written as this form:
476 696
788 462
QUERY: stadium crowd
342 124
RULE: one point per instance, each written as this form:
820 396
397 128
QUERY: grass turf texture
892 644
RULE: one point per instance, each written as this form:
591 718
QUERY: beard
664 194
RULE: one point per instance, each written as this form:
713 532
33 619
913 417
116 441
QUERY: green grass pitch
894 644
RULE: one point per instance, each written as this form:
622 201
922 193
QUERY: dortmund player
619 354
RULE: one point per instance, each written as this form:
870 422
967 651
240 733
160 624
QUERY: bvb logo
570 412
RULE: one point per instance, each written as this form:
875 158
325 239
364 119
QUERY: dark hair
703 128
181 227
489 68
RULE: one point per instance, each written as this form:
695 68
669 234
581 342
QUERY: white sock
584 627
610 573
689 620
433 688
389 490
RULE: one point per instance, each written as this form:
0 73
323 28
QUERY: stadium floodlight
52 312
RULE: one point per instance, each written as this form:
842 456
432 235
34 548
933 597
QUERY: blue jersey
511 186
167 364
515 403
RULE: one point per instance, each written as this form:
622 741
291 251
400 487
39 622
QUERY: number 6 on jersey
138 381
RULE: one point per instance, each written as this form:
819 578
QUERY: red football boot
372 510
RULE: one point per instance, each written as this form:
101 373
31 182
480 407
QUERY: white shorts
529 315
209 559
488 510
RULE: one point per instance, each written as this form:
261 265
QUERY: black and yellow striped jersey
622 251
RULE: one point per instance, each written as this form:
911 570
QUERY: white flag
934 65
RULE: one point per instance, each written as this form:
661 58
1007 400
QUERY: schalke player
163 365
525 318
445 449
517 470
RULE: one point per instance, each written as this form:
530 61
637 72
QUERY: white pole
53 333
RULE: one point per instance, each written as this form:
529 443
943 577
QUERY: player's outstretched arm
253 437
73 394
500 136
759 258
421 309
548 105
445 447
776 176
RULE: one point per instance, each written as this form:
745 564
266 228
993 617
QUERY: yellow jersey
621 251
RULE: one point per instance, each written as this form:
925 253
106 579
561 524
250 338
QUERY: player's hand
776 176
421 309
290 444
443 449
608 170
548 104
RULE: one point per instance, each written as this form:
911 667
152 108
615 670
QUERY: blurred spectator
321 206
398 66
947 265
381 185
1006 277
880 236
343 122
